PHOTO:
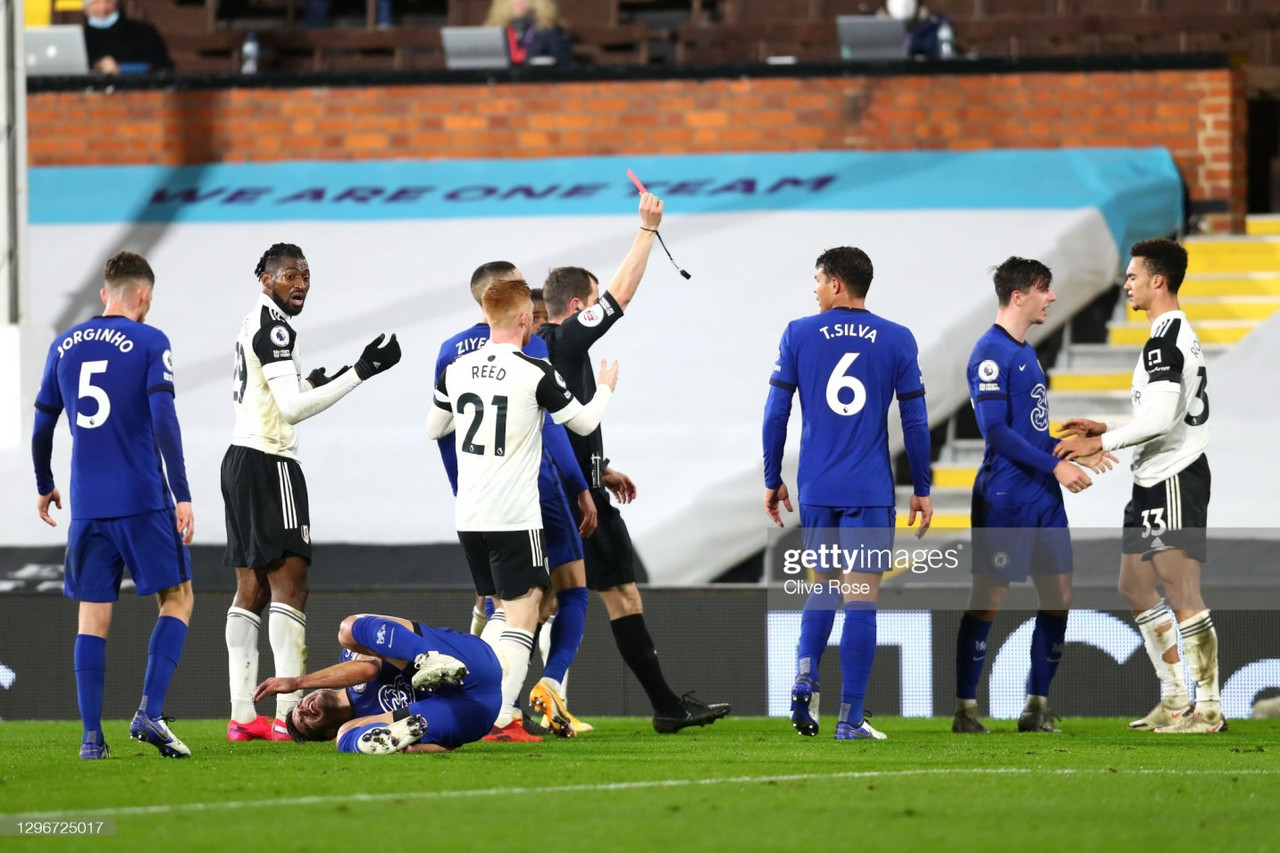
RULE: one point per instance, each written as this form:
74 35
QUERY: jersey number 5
93 392
839 381
499 404
239 375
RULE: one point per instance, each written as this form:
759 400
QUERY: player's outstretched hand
1074 478
186 521
587 508
274 686
42 506
1083 427
1073 448
378 357
317 377
650 211
923 506
1099 463
620 485
608 374
772 497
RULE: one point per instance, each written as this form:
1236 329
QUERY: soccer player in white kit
1164 523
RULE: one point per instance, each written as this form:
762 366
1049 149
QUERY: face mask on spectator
104 22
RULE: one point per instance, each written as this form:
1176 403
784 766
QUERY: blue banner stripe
1122 183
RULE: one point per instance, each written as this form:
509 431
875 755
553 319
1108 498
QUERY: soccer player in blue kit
400 686
848 364
559 468
114 377
1018 517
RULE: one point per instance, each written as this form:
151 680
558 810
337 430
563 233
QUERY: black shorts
505 563
609 554
268 517
1171 515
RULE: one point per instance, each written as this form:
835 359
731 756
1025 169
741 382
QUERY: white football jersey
497 395
1172 354
265 349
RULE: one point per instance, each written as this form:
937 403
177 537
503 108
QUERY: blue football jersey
847 364
461 344
393 688
1002 369
102 372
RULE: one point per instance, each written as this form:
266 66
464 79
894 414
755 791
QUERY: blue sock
857 654
389 638
971 654
488 608
1047 641
167 639
348 740
815 630
91 674
566 631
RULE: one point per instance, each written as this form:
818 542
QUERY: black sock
636 647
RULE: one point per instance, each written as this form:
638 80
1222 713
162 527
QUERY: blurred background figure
929 35
535 33
317 13
117 45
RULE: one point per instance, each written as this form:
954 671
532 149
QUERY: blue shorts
863 536
98 550
563 543
464 714
1015 540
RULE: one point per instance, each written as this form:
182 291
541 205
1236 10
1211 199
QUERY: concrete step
1232 254
1073 380
1111 358
954 476
1203 308
1209 332
948 502
1239 284
963 451
1098 405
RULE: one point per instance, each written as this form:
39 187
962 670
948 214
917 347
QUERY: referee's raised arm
627 279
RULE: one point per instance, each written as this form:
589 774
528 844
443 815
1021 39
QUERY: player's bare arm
923 507
186 521
618 483
42 506
627 279
772 497
1071 448
1083 427
590 518
346 674
1072 477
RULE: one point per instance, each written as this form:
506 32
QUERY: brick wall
1199 115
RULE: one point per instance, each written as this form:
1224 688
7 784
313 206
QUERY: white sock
242 662
1200 644
544 639
513 651
287 627
493 629
478 621
1173 683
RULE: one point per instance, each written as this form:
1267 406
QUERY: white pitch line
172 808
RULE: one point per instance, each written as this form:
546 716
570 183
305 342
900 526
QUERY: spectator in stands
929 35
535 33
117 45
315 13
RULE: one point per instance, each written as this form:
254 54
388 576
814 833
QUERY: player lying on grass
401 686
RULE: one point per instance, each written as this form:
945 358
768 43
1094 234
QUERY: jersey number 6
839 381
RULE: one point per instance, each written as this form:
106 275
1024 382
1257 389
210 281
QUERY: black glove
377 357
317 377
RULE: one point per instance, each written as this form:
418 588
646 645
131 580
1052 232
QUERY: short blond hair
505 301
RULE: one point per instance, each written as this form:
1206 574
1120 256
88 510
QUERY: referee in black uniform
579 316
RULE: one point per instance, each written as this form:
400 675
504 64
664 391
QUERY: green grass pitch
741 784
